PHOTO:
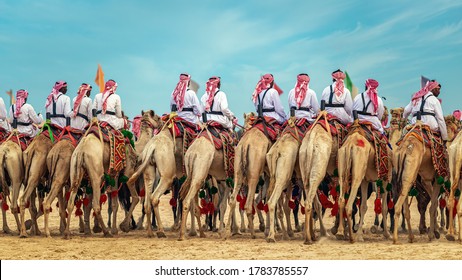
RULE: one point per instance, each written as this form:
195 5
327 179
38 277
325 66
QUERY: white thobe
63 107
310 103
27 115
272 101
343 114
113 105
358 105
220 104
190 101
432 105
85 108
3 116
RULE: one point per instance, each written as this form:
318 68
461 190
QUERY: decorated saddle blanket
269 126
180 128
380 143
71 134
21 139
117 141
51 131
221 138
337 129
433 141
297 128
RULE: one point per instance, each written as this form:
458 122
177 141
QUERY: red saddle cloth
51 131
269 126
116 141
71 134
337 129
221 139
433 141
380 142
21 139
297 129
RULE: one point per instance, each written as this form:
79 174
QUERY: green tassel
381 189
88 190
442 190
213 190
337 188
335 172
347 195
379 183
230 182
447 184
123 179
413 192
182 179
206 184
457 193
440 180
202 194
128 134
261 182
389 186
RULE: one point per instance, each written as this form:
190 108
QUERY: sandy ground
135 245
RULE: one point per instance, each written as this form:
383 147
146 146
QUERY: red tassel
358 202
239 198
391 204
265 208
114 194
78 212
173 202
41 208
323 199
211 208
86 201
333 192
103 198
203 202
291 204
242 204
378 206
334 210
142 192
78 203
442 203
51 209
1 196
204 210
68 195
5 206
28 204
260 205
302 209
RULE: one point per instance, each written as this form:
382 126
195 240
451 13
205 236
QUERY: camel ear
142 112
245 116
151 112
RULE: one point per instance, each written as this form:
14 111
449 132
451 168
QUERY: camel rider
370 106
426 102
109 107
58 104
303 99
266 97
216 104
81 112
24 114
186 101
338 99
3 122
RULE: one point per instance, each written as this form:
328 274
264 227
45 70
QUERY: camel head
384 119
397 121
453 126
150 119
247 118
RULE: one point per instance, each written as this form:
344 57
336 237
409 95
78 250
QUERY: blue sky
145 45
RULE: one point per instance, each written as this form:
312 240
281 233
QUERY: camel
317 157
249 165
35 168
413 158
163 154
201 159
91 157
11 174
352 156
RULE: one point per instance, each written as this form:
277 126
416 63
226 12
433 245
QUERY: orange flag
99 80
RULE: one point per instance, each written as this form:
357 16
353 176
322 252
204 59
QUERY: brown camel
11 166
410 159
91 157
249 164
35 168
317 157
397 124
352 156
163 154
201 159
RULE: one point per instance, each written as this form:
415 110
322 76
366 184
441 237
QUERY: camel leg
280 217
272 204
407 181
62 206
187 203
386 233
232 206
318 209
164 184
363 210
34 213
86 215
287 210
459 214
434 192
22 207
222 204
125 225
261 219
56 187
252 183
192 211
114 205
310 191
70 208
451 201
197 213
6 229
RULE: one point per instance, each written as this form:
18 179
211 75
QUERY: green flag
350 86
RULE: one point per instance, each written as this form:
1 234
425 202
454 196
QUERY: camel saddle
297 128
380 142
22 140
337 129
181 128
221 139
432 140
269 126
71 134
117 141
51 131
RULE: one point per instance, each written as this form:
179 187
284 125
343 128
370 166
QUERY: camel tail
399 172
146 156
28 155
245 160
54 164
272 161
78 168
347 173
2 169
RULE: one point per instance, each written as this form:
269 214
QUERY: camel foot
181 238
87 231
308 242
124 226
411 239
28 224
107 234
334 230
214 229
175 227
23 235
7 230
423 230
359 238
161 234
97 229
114 231
450 237
270 240
202 234
298 228
236 233
340 236
437 234
386 235
374 229
290 233
192 233
261 227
